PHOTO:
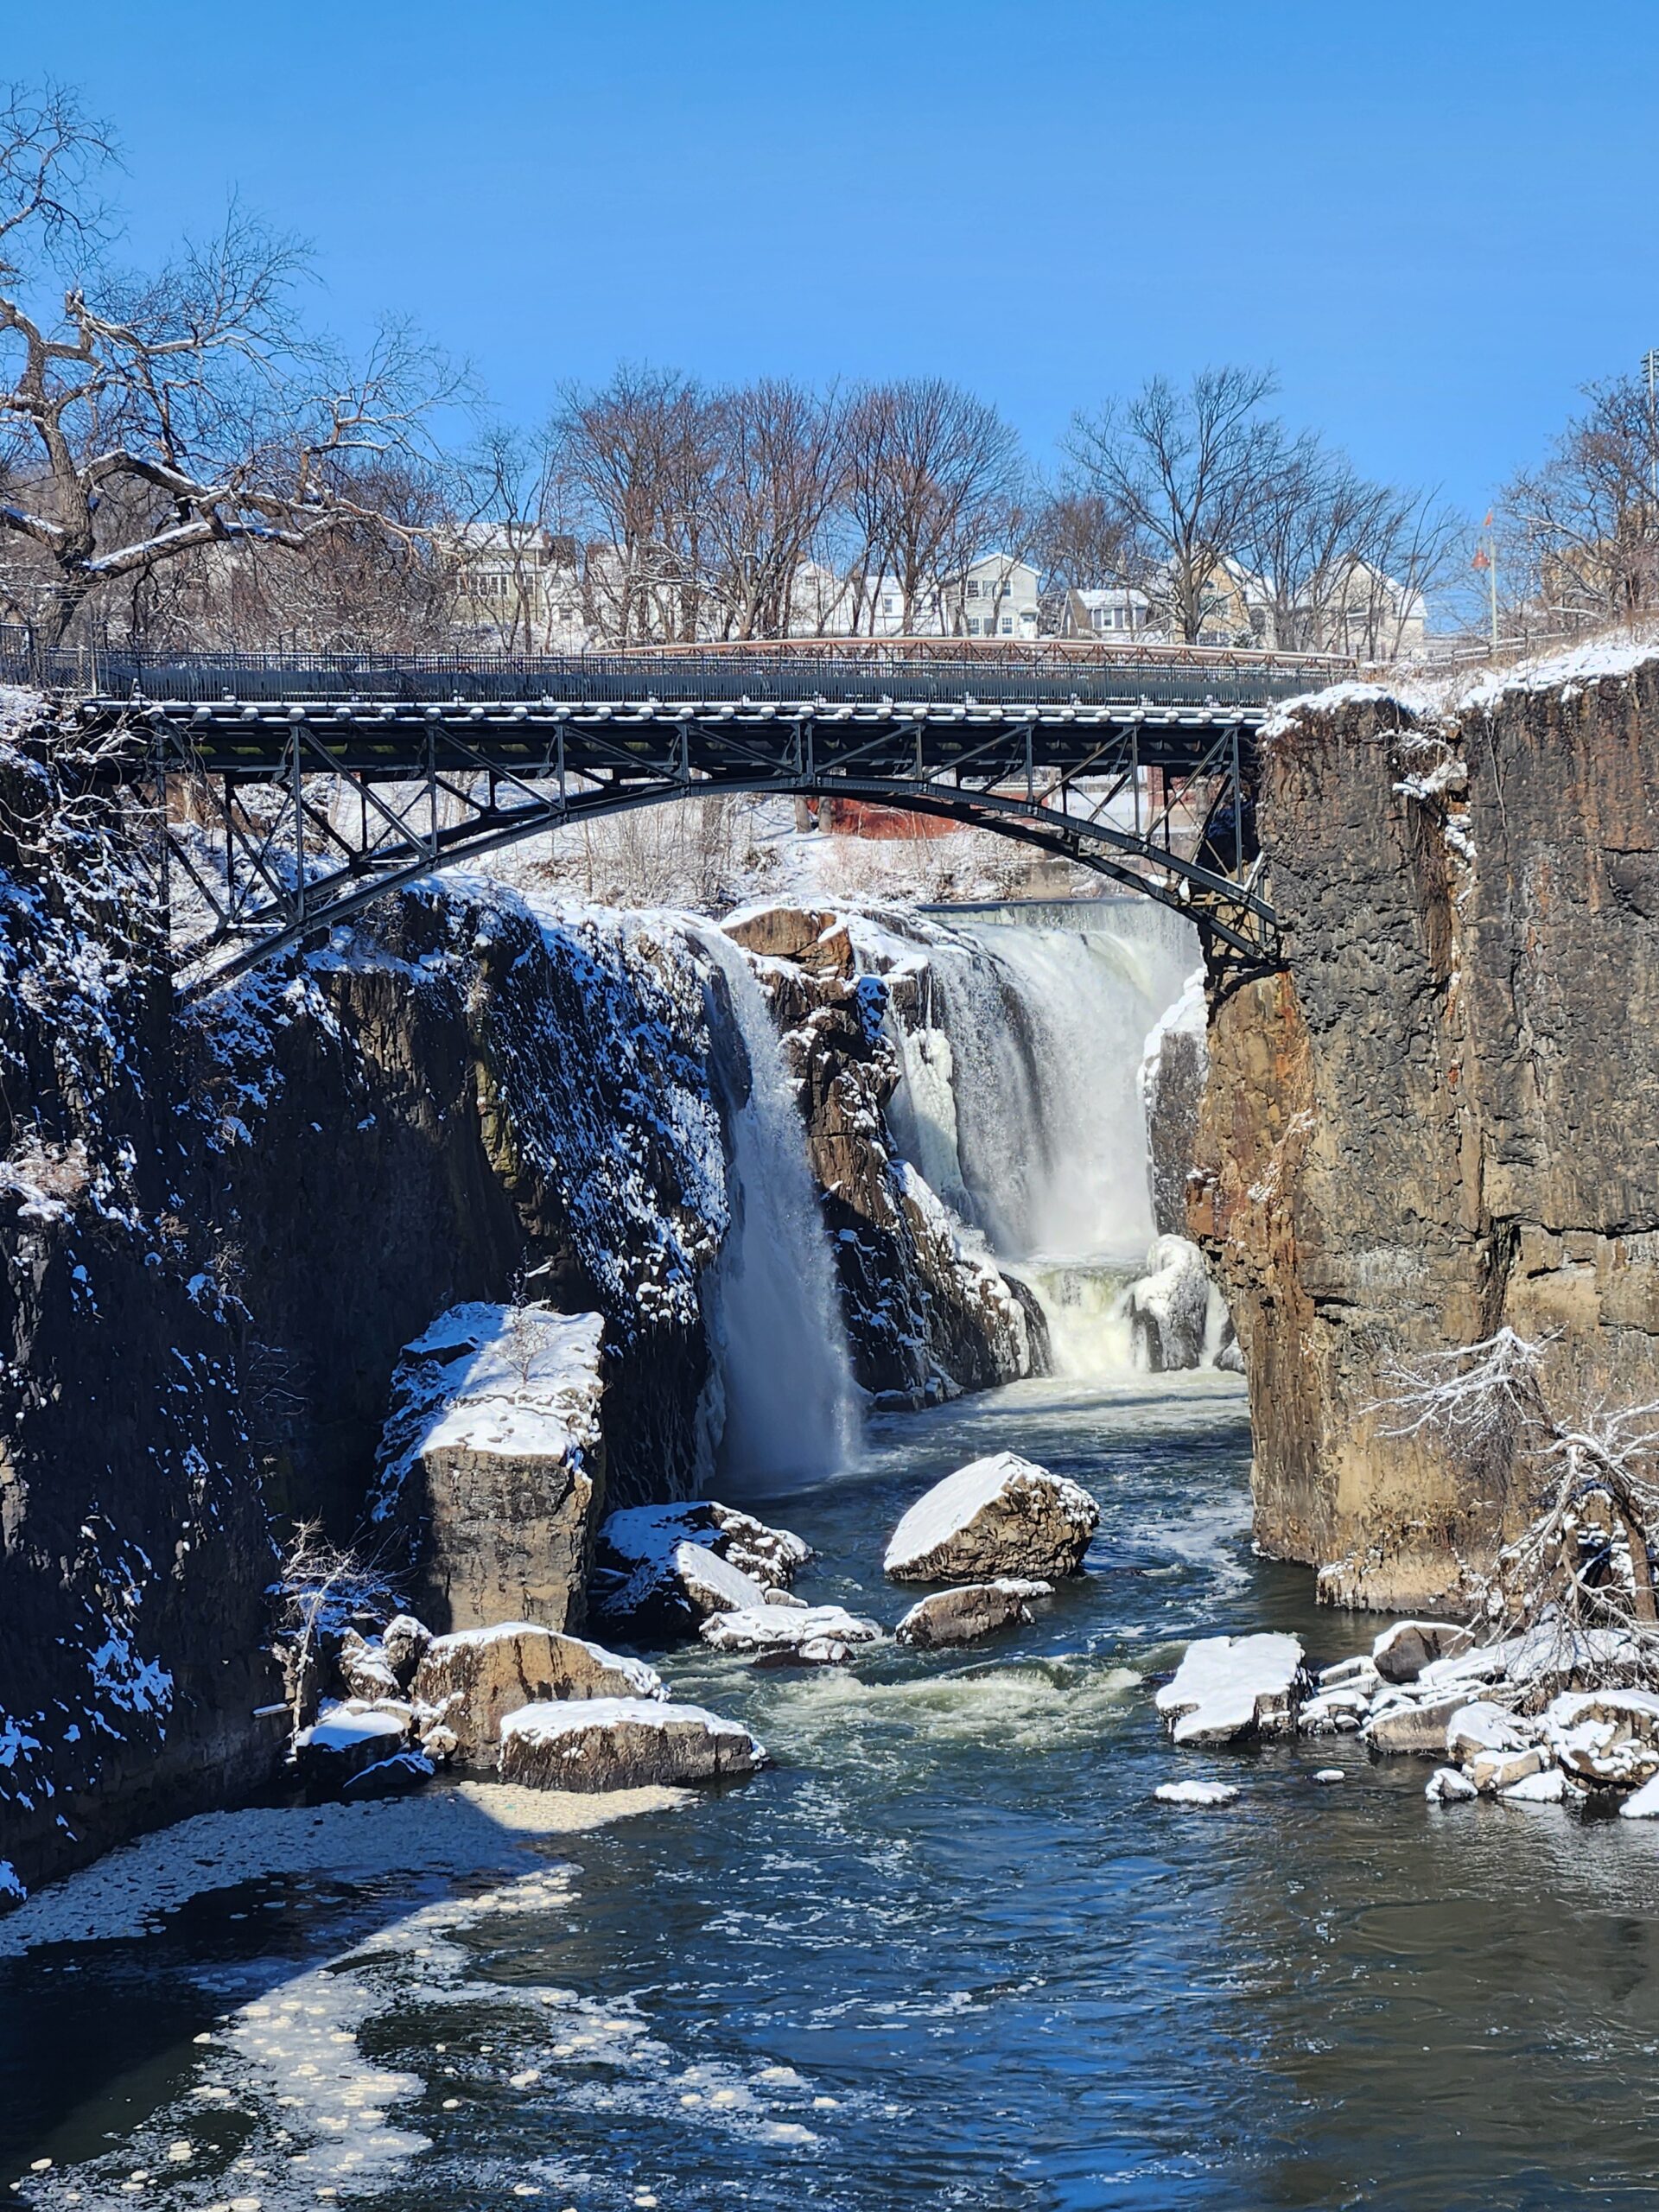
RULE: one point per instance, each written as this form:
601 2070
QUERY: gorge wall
226 1222
1444 1117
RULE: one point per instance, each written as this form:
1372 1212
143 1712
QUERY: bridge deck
1135 765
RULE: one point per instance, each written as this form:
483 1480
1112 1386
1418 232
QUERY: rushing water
1020 1102
948 1952
790 1407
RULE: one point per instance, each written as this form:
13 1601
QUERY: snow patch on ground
455 1829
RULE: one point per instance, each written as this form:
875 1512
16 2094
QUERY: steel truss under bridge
291 810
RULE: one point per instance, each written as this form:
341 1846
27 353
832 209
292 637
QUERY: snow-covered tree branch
144 419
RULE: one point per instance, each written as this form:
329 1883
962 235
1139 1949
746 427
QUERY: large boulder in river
664 1568
819 1635
474 1680
1228 1687
969 1612
1402 1652
492 1463
343 1742
1002 1516
623 1744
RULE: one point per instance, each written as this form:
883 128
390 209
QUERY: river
949 1951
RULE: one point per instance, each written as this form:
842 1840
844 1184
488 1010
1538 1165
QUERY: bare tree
779 454
1583 529
934 477
1183 472
150 418
1584 1475
631 463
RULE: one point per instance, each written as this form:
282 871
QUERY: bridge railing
803 671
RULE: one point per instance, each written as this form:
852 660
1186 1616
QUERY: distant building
520 587
1114 614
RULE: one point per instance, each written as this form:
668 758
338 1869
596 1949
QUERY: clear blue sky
1435 220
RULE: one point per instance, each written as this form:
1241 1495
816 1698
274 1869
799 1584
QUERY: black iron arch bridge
294 789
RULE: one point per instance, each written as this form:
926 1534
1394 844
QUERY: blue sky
1435 221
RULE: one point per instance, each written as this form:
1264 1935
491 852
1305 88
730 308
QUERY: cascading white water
791 1406
1021 1102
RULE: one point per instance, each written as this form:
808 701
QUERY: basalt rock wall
1443 1117
134 1551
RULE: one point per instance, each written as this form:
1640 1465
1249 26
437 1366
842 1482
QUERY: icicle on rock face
776 1321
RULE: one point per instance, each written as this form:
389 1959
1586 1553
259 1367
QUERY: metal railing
949 669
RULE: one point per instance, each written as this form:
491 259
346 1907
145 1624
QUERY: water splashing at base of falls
1020 1103
790 1404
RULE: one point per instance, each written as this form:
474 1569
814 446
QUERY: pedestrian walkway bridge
295 788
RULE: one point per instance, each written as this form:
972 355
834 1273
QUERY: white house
1114 614
518 587
995 597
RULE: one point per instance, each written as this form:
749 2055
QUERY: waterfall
1021 1050
789 1402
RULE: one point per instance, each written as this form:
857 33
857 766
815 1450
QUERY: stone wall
1445 1117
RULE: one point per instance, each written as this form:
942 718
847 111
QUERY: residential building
520 587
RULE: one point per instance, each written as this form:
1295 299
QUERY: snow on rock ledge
492 1461
1002 1516
1230 1687
473 1680
623 1744
664 1568
1175 1313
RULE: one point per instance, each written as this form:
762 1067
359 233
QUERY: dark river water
949 1951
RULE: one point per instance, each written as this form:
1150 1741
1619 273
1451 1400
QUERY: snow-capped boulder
1483 1727
623 1743
997 1517
1195 1793
365 1669
1548 1787
664 1568
402 1642
1227 1687
1408 1724
1169 1307
1605 1739
341 1743
392 1778
969 1612
1402 1652
1359 1672
803 1631
1333 1712
1492 1772
472 1680
492 1461
1642 1804
1446 1786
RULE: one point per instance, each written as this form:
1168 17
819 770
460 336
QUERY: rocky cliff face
1441 1119
468 1096
134 1554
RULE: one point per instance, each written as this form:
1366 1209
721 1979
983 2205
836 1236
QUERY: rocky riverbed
949 1945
